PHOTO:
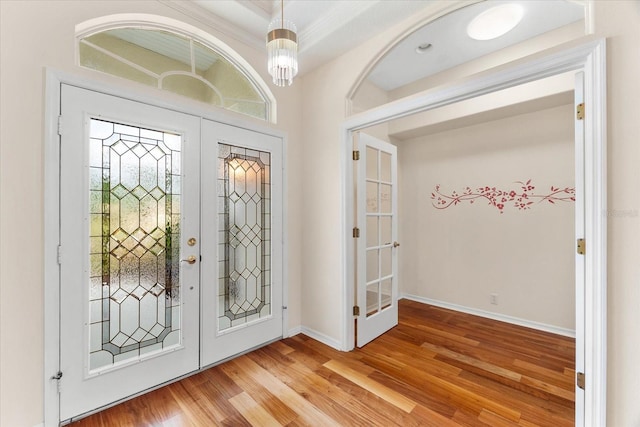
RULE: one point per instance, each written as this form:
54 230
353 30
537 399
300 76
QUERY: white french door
128 306
241 240
149 289
377 245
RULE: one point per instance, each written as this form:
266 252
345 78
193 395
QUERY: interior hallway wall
462 252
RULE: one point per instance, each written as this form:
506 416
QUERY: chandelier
282 50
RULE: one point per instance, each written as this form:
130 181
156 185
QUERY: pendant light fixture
282 50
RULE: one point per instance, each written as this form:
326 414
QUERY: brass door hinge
356 155
356 232
356 310
580 111
581 246
580 379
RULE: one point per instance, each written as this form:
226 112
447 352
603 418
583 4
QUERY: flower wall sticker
522 198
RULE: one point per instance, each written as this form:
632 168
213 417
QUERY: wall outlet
493 299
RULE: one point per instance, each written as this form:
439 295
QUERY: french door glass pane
134 235
372 163
372 231
373 294
385 167
244 253
379 213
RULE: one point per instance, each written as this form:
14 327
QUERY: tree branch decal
522 198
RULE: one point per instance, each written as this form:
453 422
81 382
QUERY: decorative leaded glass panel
244 254
134 197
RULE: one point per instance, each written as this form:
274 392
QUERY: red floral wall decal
522 198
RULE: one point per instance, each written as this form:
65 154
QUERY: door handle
396 244
190 260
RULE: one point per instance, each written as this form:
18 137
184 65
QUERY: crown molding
337 17
216 22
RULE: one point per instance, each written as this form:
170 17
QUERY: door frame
588 57
51 201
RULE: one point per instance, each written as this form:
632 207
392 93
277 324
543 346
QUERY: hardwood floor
436 368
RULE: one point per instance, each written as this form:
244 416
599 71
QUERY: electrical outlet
493 299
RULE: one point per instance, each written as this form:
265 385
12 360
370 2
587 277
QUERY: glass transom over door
129 202
242 246
377 246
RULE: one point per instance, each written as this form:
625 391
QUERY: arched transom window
180 63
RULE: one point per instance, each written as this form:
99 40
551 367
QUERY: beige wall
325 90
619 21
38 34
465 252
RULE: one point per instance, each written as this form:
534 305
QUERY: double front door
170 246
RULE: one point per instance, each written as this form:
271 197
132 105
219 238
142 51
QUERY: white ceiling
451 46
326 28
329 28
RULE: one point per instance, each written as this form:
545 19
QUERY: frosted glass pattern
244 254
134 209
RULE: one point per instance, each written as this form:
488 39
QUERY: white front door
242 246
128 306
150 290
377 246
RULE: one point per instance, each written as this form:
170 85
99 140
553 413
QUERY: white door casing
119 336
579 147
377 246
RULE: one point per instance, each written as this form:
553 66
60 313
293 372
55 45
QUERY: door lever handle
396 244
190 260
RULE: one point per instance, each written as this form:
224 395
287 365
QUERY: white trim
579 229
340 15
53 80
51 242
294 331
596 236
285 239
571 333
324 339
148 21
206 17
589 17
588 57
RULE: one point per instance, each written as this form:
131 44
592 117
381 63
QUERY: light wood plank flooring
436 368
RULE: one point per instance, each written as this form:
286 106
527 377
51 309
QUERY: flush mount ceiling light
495 22
282 50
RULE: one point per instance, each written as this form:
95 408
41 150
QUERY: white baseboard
294 331
495 316
324 339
